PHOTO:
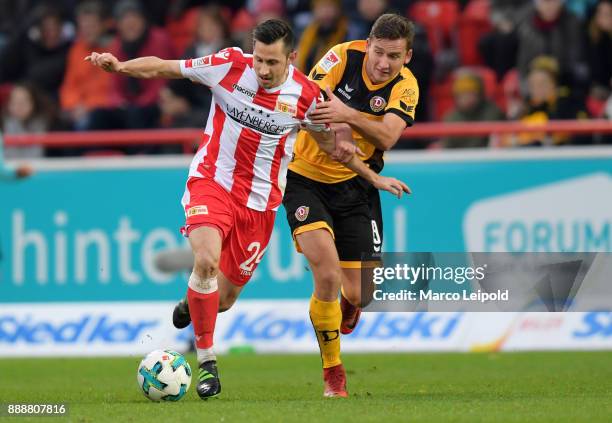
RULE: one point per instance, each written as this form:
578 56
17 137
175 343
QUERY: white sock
206 354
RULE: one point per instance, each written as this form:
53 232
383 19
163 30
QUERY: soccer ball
164 375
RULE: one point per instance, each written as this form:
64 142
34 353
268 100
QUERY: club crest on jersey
197 210
377 103
329 61
285 108
301 213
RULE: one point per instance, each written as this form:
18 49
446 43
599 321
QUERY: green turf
517 387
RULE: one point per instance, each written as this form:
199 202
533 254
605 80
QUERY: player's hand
392 185
344 150
331 111
106 61
23 171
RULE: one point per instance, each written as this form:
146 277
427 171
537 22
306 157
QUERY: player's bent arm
151 67
382 134
326 140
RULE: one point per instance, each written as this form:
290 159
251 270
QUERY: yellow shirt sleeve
403 100
328 71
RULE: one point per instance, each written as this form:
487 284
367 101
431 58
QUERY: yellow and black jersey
343 70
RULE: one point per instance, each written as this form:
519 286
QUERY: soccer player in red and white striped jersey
237 177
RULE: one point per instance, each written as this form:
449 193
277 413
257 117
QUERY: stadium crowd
475 60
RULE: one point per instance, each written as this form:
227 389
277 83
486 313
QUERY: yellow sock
326 317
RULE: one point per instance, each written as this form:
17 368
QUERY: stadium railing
189 138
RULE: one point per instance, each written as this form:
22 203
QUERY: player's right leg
203 299
311 226
228 293
209 221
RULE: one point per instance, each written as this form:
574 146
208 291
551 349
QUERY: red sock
203 309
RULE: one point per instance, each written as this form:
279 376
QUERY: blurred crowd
475 60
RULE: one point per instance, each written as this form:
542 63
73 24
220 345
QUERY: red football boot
350 316
335 382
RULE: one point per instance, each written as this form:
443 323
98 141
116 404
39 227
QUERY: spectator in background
180 106
246 19
8 172
367 11
328 27
28 111
547 101
38 53
471 105
212 33
134 100
550 29
499 47
422 66
83 90
600 50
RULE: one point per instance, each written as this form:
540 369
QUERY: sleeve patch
200 62
330 60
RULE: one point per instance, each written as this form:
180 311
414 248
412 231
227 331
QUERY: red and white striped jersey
249 136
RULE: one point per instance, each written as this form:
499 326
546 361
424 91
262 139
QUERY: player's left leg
357 281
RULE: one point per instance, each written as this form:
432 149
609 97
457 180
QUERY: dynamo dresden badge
302 213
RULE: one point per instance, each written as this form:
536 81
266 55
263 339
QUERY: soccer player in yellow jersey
335 216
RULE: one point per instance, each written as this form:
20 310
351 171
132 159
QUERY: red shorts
245 232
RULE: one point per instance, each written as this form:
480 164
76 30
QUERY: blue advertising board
89 232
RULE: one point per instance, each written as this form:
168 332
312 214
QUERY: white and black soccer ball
164 375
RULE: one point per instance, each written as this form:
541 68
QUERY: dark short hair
393 27
272 30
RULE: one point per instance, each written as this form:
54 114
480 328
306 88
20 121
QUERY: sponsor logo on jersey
377 103
201 62
197 210
409 95
329 61
301 213
243 90
345 92
285 108
256 119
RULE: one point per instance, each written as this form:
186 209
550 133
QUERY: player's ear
408 57
292 56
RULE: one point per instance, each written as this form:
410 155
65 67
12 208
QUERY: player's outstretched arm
142 67
326 141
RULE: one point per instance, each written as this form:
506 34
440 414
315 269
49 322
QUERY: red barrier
190 137
187 137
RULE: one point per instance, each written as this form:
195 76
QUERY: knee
328 276
206 263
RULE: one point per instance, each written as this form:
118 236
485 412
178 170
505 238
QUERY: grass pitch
509 387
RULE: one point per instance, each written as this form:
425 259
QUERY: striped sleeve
210 70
